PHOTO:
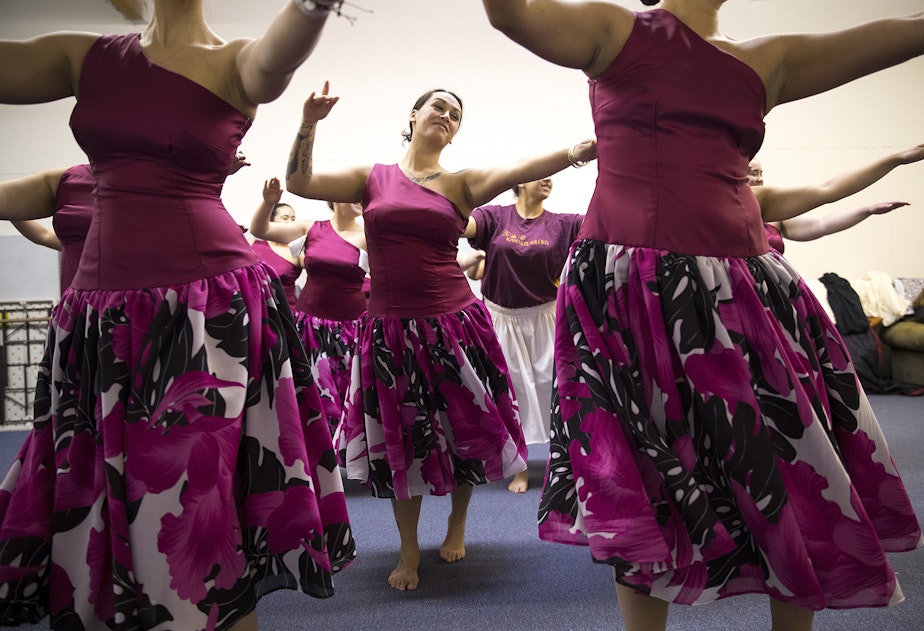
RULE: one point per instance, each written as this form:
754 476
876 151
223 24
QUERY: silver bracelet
577 164
318 8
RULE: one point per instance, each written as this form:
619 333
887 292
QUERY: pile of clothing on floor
882 323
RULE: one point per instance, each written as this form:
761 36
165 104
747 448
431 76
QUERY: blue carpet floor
511 581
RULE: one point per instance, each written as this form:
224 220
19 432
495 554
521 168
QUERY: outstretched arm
266 64
809 228
37 233
42 69
342 186
585 35
814 63
262 228
483 185
30 197
780 203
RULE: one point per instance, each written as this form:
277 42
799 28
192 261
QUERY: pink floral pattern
182 421
710 437
330 345
430 406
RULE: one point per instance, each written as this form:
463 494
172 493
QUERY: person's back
706 412
674 142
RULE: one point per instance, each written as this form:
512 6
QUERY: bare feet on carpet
404 577
453 547
520 482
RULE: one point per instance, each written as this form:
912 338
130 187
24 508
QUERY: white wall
516 105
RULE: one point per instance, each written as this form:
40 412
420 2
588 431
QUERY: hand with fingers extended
318 106
238 162
272 191
885 207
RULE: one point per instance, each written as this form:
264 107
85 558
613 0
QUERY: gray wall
29 271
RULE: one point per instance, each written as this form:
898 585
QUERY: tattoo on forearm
300 157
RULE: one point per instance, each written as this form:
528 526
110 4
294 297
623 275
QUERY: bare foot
404 576
451 552
520 482
453 547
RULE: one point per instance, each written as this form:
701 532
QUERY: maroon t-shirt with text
523 257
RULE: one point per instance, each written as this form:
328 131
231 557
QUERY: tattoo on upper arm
300 157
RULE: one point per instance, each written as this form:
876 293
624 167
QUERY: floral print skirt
329 344
710 438
179 467
430 407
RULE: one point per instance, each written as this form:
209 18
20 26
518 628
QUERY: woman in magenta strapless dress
179 467
328 309
277 254
66 195
430 410
709 435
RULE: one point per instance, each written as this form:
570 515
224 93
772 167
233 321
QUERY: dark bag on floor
853 325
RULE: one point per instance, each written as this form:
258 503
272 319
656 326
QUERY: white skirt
527 338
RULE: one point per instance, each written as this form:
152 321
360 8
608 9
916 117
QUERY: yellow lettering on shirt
521 240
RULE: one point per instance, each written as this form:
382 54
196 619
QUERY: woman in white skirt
525 249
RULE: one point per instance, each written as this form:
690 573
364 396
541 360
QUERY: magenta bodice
334 290
673 145
287 271
71 221
412 235
774 237
159 172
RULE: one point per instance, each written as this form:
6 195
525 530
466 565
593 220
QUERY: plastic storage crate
23 329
